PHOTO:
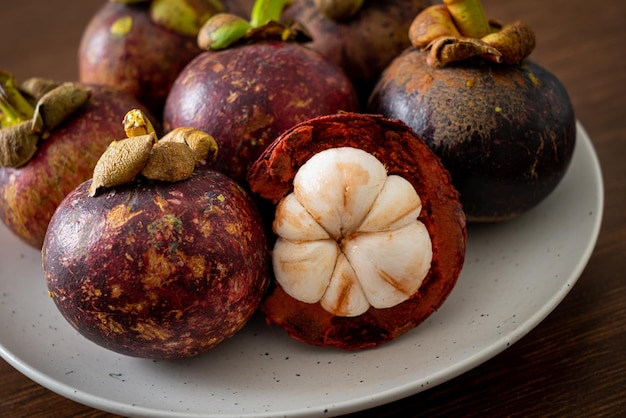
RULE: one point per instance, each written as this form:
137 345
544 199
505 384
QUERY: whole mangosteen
246 89
370 233
140 47
503 125
153 260
52 134
362 37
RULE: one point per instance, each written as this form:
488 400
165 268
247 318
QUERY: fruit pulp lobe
158 269
381 266
402 154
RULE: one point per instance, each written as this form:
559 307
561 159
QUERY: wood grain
573 363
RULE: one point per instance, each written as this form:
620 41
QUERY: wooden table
574 362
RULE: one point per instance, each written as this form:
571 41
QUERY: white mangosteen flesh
349 235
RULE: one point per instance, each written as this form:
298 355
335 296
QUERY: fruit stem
14 107
469 17
136 123
264 11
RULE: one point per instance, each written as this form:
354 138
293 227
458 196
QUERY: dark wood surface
574 362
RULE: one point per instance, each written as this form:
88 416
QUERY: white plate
515 274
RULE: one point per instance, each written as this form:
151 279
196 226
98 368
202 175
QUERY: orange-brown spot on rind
119 215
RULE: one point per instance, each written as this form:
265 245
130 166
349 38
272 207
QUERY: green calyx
265 11
224 30
13 106
185 17
30 112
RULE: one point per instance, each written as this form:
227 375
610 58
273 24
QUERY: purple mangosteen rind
30 194
362 44
157 269
122 47
247 95
506 133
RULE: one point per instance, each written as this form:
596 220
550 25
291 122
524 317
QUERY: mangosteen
51 137
241 8
157 265
362 37
255 80
503 125
370 232
140 47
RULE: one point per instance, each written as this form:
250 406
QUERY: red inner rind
402 153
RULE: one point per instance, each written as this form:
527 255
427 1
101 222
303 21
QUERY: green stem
265 10
13 105
469 17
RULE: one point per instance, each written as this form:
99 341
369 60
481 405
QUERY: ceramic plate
515 274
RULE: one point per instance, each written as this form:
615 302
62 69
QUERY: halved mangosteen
370 232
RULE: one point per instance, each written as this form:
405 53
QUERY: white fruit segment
348 235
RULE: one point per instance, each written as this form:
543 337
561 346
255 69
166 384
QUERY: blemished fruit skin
247 95
143 62
402 153
30 194
506 133
158 270
364 44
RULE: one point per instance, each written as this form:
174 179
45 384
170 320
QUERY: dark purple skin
30 194
241 8
246 96
506 133
158 270
143 63
364 44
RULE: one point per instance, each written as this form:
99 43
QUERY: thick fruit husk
402 153
30 194
246 96
364 44
158 270
241 8
143 62
505 133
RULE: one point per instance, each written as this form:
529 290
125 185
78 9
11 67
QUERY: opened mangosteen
152 258
255 80
52 134
140 46
362 37
503 125
370 233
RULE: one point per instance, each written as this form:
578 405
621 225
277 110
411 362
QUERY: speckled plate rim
362 382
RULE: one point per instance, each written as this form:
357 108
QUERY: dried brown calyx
171 158
459 29
30 112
